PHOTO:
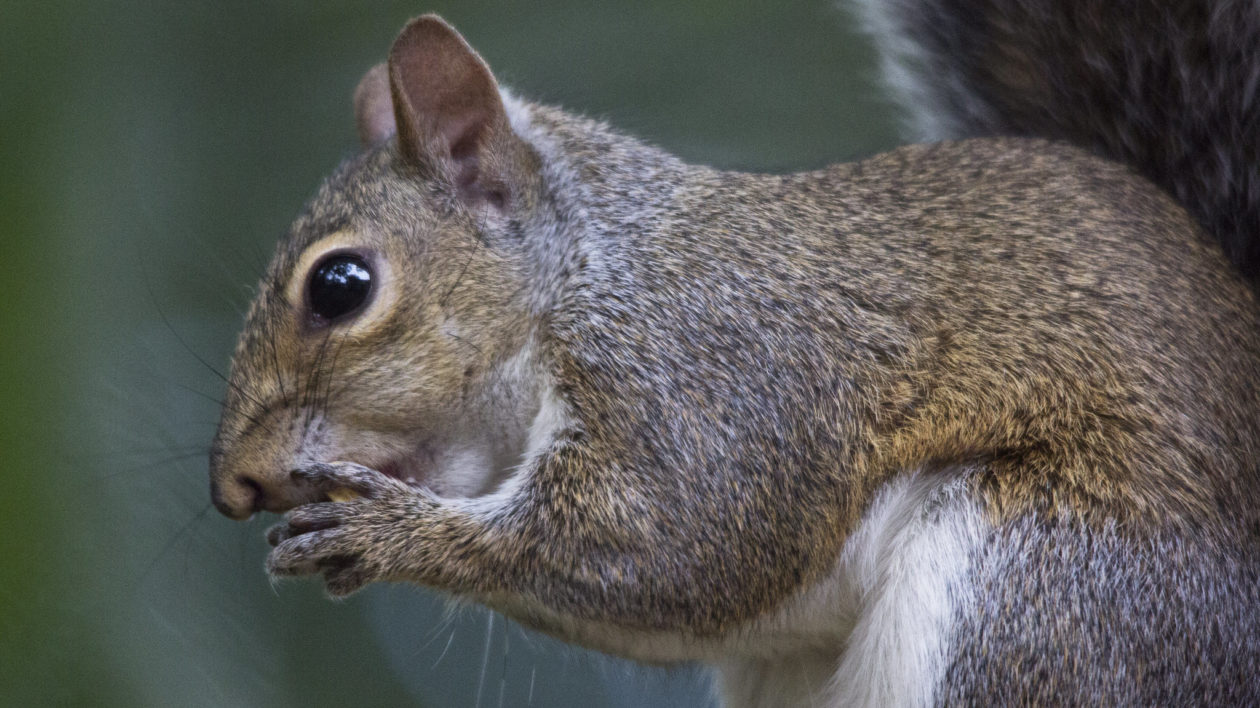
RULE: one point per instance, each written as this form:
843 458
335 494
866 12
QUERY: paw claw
347 542
292 557
277 534
346 581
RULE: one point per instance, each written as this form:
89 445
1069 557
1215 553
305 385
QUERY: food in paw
341 494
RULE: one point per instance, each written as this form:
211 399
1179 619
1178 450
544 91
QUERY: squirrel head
397 302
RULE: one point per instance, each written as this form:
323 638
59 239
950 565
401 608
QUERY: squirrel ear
447 108
373 106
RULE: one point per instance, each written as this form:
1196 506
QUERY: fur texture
890 602
1075 614
698 396
1172 89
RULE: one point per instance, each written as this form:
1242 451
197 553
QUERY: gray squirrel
975 421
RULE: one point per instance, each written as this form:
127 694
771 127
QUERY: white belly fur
876 631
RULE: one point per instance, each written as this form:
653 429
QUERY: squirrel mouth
403 470
445 470
413 467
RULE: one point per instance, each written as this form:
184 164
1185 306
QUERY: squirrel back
1169 88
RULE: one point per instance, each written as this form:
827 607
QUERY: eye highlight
338 286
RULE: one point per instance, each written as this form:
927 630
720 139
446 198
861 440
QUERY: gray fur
1171 88
743 361
1071 614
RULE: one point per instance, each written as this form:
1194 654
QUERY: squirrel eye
338 286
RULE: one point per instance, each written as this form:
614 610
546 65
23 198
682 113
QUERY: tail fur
1170 88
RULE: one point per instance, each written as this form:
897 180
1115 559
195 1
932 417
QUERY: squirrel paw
351 543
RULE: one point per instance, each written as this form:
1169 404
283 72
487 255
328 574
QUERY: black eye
338 286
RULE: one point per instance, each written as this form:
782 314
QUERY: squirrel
972 421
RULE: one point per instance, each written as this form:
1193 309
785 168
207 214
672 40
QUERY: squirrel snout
238 489
241 485
237 497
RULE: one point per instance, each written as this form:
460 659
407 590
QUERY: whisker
332 369
260 422
503 671
200 359
166 547
458 279
148 466
213 399
446 648
310 392
275 363
485 657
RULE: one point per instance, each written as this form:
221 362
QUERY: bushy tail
1171 87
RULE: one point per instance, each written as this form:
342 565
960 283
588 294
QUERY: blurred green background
150 155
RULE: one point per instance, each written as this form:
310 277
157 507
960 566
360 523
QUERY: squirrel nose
237 497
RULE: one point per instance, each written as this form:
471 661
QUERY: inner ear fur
448 112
